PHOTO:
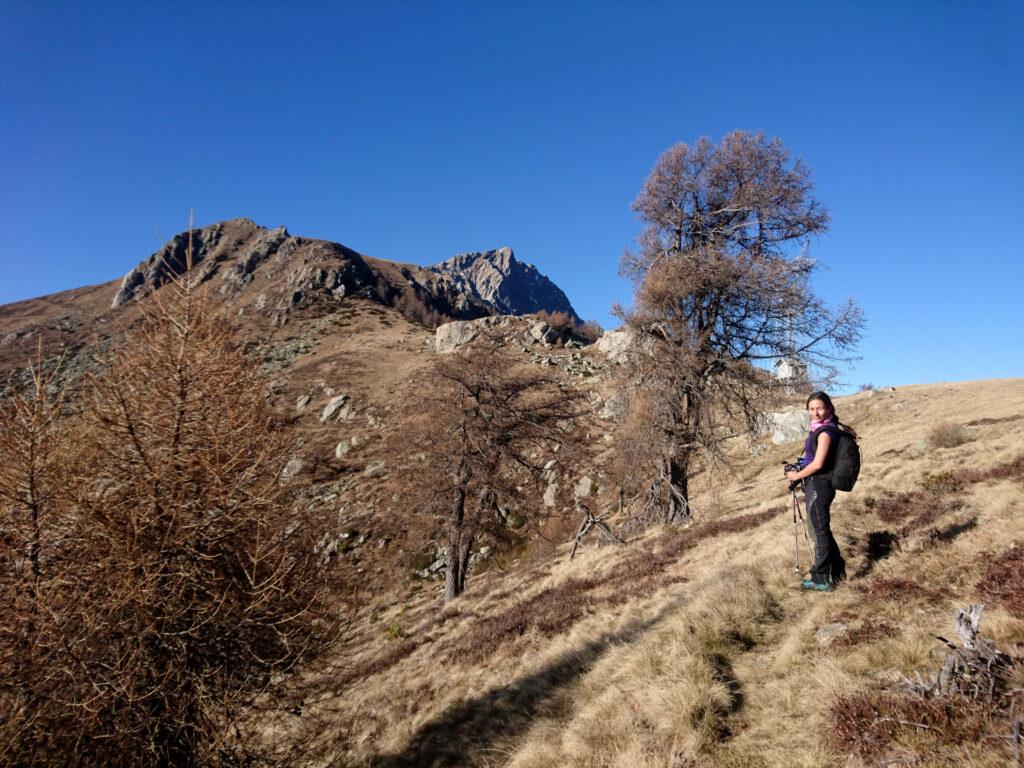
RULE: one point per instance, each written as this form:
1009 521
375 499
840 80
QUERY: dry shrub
164 583
1009 470
479 435
901 589
562 322
942 482
589 331
1003 580
866 631
873 727
413 306
914 510
948 434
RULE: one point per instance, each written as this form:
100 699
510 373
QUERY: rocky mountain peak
499 279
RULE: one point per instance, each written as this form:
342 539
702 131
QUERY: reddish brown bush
915 509
562 322
866 631
1003 580
1009 470
904 589
872 726
589 331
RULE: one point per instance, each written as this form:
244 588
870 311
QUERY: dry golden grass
712 658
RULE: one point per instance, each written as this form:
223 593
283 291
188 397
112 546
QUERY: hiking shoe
817 587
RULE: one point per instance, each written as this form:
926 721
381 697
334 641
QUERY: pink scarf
816 425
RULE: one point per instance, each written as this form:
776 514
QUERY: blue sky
413 131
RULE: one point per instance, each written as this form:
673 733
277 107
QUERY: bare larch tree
156 576
484 432
718 297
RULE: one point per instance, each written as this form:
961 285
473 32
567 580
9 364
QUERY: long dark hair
828 404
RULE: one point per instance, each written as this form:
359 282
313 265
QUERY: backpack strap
834 433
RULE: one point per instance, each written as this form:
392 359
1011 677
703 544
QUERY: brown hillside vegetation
693 646
689 646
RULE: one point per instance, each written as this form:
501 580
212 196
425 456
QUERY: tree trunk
675 475
458 550
455 577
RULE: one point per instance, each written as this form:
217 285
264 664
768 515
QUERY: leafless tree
487 430
158 580
719 296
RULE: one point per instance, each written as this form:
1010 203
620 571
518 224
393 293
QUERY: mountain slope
695 647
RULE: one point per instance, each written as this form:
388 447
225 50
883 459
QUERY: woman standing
815 471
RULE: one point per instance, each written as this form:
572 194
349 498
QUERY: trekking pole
796 537
798 514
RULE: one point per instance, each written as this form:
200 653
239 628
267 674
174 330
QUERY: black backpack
845 459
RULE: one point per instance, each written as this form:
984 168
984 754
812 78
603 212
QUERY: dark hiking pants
828 566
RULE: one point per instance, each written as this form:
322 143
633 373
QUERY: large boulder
450 336
790 426
614 344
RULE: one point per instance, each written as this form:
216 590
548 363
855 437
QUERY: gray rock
550 494
584 487
544 333
374 470
342 449
330 411
788 427
292 468
301 402
615 344
828 633
451 336
614 407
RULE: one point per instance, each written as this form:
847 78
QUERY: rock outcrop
240 252
527 331
615 344
499 280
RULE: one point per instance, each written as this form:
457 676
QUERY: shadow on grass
462 734
879 545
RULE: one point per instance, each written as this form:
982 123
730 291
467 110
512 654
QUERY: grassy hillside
695 646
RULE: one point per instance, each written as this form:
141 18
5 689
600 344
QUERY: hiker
814 470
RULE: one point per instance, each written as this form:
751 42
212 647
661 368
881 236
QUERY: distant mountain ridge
291 270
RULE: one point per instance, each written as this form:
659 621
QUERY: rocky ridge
290 271
497 278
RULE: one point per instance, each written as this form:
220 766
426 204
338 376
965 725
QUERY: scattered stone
332 408
828 633
301 402
613 408
584 487
281 355
292 468
374 470
550 494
